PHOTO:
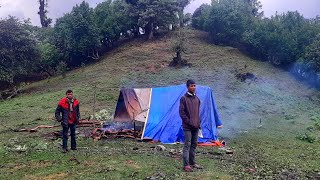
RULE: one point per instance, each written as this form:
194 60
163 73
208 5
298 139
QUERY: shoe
74 149
65 150
196 166
187 169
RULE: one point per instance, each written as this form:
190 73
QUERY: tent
158 110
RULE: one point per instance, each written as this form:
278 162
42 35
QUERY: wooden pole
94 101
134 127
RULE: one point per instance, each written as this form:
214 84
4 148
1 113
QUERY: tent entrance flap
127 106
132 105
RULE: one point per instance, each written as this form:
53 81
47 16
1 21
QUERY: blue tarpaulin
164 123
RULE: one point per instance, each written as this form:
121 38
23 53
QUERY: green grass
270 150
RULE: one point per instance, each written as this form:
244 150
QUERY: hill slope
262 116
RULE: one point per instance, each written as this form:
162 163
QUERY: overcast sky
25 9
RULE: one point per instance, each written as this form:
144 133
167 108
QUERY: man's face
70 95
192 88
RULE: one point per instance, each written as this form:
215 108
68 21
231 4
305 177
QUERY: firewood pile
82 123
111 133
97 133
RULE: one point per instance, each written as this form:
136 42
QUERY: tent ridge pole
145 124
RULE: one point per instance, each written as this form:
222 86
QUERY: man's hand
220 127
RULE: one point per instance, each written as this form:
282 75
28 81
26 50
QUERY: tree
187 19
280 39
229 19
153 13
49 53
103 16
45 21
254 6
76 35
179 47
123 20
200 16
50 57
182 4
311 56
112 19
18 51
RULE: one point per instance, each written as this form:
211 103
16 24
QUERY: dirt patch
18 167
49 177
40 164
30 165
53 135
132 164
246 76
88 163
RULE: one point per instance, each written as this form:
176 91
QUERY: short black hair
189 82
69 91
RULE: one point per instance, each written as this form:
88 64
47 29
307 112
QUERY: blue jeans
65 130
190 145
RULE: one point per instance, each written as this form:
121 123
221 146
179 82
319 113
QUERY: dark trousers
190 145
65 130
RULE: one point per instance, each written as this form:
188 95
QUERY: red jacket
63 109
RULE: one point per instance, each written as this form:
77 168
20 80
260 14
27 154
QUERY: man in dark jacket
69 108
190 114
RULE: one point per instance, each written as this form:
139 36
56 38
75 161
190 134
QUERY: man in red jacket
190 114
68 107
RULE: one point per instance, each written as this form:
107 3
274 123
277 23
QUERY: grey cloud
29 8
309 8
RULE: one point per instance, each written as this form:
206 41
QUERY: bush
103 115
309 137
62 69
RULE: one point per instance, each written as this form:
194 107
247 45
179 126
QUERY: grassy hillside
270 149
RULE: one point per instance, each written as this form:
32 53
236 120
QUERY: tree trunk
94 54
14 93
42 13
179 59
181 15
149 30
45 21
136 31
45 70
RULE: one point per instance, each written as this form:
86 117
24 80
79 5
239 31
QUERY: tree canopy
18 51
